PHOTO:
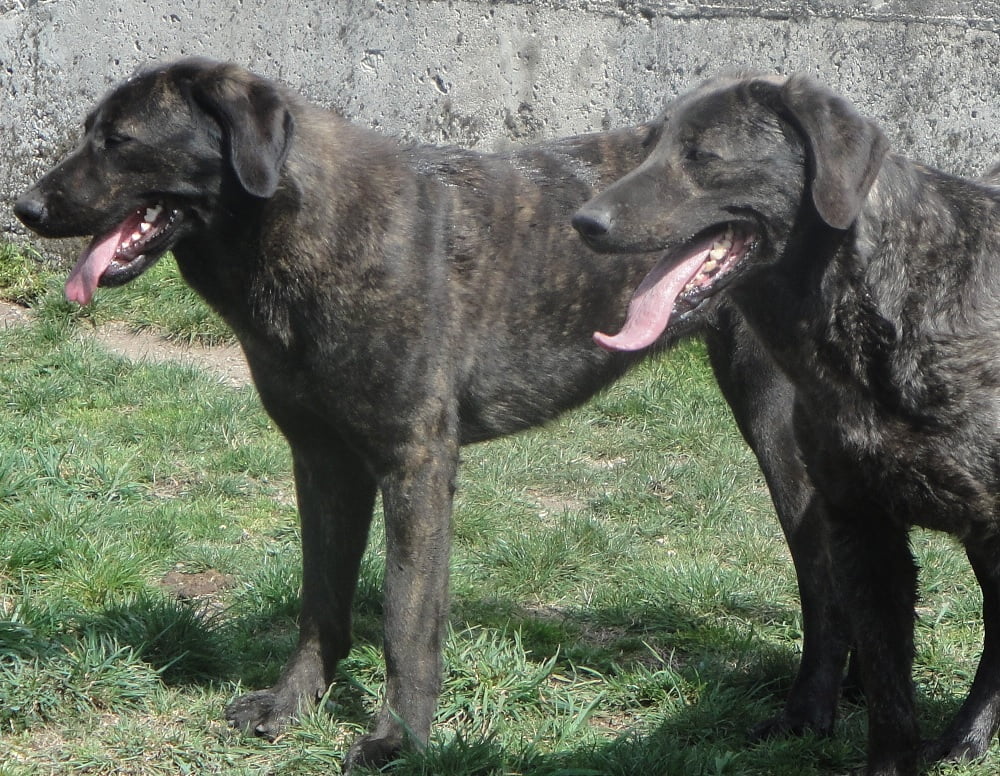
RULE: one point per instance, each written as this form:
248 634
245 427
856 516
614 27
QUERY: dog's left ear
846 148
255 121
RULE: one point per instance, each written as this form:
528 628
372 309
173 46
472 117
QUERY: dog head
735 163
157 154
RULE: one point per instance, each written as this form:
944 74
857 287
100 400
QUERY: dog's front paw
372 752
786 724
263 713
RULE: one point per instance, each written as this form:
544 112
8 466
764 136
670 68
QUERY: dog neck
869 309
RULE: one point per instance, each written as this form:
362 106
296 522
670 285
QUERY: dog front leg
812 701
762 400
336 497
972 730
417 502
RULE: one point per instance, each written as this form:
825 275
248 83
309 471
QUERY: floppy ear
846 149
255 121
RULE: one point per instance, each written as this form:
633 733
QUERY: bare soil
225 362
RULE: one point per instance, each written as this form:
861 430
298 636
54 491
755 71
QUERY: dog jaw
123 253
677 286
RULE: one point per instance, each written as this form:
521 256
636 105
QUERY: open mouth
678 285
123 253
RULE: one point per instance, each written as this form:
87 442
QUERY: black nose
30 210
591 224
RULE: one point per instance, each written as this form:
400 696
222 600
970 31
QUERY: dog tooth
718 253
135 237
145 226
711 265
152 213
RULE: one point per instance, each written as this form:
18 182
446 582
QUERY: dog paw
371 752
262 713
785 725
774 727
953 749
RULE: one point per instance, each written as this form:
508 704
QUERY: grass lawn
622 598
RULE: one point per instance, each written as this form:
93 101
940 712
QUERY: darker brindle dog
394 303
873 282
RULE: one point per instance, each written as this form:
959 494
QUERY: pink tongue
653 302
95 259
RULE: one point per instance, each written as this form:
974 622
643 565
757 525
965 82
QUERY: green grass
157 301
622 598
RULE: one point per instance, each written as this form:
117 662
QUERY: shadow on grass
739 682
706 738
732 683
668 750
184 643
738 679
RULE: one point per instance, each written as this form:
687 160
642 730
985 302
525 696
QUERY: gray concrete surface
489 74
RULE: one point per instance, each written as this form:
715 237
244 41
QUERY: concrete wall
488 74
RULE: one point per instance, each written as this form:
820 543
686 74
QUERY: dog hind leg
970 733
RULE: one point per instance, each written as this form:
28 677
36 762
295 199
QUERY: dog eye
696 154
116 139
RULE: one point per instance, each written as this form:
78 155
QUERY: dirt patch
196 585
12 315
224 361
555 504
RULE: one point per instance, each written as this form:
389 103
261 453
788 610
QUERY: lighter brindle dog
873 282
394 303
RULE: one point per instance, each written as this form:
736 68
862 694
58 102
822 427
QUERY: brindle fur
874 286
395 303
